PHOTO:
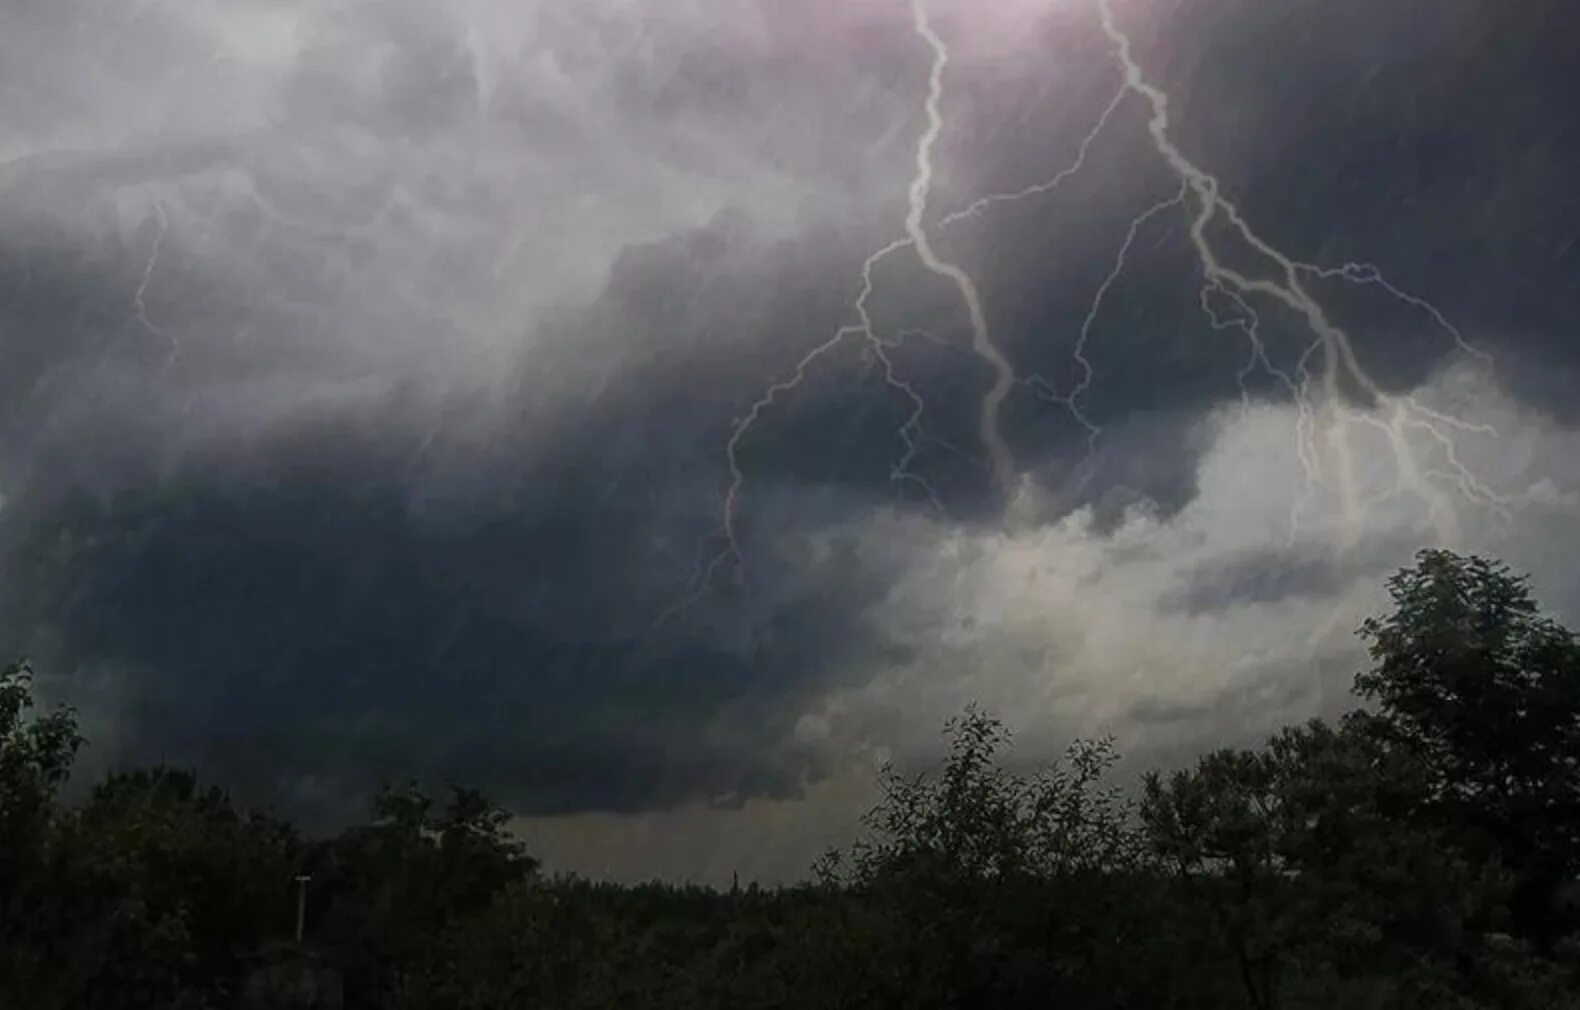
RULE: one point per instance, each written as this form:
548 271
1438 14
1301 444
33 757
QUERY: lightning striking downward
1400 415
1001 460
908 432
1325 422
1072 400
139 303
1004 378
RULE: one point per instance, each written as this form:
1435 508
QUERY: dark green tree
1313 864
387 892
170 889
36 754
998 888
1214 827
1485 690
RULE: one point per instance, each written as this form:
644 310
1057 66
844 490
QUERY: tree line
1422 851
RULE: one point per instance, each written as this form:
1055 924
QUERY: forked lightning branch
1423 442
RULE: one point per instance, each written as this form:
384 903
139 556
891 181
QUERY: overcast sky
662 414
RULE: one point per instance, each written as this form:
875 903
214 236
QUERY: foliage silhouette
1422 852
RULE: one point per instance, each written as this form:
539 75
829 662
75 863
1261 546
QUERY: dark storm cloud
1436 139
307 622
348 590
312 549
357 589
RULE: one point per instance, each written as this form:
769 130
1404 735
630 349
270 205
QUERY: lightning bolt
880 352
1326 423
908 433
1249 322
978 206
1072 400
1396 417
1004 378
1367 273
1000 459
139 304
1322 414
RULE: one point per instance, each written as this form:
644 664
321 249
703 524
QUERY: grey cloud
468 304
1273 575
313 626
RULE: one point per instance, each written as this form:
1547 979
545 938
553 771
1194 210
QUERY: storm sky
662 414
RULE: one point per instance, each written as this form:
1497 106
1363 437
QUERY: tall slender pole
301 904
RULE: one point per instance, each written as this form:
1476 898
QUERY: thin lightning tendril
908 432
978 206
1072 400
1367 273
139 304
880 351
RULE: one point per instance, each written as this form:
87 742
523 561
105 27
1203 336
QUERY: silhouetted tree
172 889
388 890
1416 854
1472 678
36 753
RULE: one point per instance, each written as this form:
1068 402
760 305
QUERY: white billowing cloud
1172 630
